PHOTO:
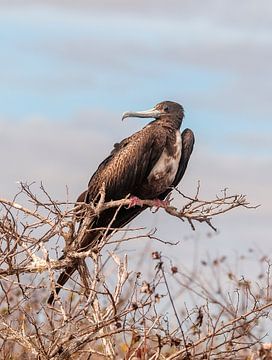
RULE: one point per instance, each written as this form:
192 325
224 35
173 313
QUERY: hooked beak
152 113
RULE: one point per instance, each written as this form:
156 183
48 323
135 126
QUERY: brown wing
128 164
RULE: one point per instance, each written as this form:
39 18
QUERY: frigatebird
146 165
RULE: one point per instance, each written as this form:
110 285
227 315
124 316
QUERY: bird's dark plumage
148 164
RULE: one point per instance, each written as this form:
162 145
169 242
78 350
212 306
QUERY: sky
68 70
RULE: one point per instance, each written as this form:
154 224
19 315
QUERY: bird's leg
158 203
161 203
135 201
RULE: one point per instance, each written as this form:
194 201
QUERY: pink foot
161 203
135 201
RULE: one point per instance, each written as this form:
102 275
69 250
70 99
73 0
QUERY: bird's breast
163 173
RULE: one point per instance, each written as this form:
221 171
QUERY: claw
135 201
161 203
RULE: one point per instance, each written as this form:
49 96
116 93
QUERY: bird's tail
92 238
63 278
89 240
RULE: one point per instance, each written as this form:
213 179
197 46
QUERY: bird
146 165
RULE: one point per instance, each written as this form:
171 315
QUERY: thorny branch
115 312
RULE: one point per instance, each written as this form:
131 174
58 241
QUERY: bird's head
165 109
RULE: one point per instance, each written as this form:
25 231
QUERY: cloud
53 152
249 12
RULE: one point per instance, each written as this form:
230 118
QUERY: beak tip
124 115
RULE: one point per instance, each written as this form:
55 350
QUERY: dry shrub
112 310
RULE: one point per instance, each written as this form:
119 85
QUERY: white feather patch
167 166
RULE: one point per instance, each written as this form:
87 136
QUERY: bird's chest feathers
163 173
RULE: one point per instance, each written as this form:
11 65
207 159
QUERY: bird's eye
165 108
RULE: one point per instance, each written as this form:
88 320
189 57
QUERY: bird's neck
171 121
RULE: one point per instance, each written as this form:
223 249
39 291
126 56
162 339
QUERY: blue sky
69 71
56 63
